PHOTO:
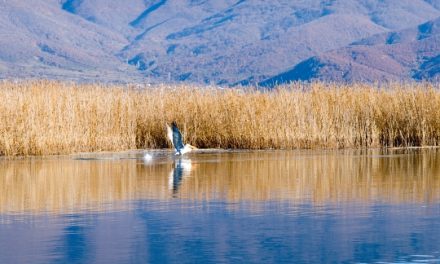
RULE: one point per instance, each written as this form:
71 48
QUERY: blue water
268 223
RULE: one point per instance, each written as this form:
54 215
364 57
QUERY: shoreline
209 151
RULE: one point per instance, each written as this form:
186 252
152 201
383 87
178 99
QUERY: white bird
175 137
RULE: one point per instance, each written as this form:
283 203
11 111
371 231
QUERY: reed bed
45 117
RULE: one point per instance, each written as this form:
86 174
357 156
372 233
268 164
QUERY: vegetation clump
45 117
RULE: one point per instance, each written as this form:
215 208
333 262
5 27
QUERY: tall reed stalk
45 117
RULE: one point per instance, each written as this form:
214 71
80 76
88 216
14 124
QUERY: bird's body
176 139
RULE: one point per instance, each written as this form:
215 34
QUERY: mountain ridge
409 54
216 42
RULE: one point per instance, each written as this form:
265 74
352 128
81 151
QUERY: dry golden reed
43 117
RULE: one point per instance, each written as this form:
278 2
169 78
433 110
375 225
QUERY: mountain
412 53
204 41
44 41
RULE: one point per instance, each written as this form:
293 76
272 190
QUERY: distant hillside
41 40
221 41
413 53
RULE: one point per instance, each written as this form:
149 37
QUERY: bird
175 137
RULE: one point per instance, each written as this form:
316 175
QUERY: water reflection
252 207
65 184
182 169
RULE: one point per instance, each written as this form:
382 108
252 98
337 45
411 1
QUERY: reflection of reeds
52 117
64 185
67 184
324 178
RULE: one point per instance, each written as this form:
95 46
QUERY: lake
350 206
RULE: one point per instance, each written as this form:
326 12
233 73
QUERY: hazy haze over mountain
223 42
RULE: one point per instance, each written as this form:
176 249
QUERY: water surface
222 207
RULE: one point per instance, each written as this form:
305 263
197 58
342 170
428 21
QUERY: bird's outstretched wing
170 134
177 137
